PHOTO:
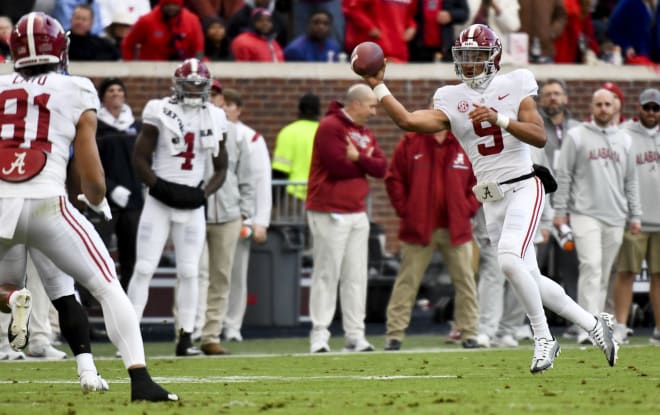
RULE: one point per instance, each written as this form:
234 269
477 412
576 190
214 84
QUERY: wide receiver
43 113
178 134
495 119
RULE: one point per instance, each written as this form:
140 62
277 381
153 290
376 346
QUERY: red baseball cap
217 86
612 87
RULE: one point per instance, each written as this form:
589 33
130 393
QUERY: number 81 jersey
496 155
38 118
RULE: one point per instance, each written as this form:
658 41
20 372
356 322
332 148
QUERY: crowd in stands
554 31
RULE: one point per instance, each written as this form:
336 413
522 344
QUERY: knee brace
74 324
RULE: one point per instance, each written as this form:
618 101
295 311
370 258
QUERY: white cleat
21 308
545 351
603 336
93 382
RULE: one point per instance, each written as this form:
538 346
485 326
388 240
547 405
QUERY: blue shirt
63 11
305 49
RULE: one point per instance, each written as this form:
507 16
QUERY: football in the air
367 59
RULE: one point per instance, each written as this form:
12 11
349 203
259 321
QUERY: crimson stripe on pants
535 217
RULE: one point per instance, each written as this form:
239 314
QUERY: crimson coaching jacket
337 184
410 187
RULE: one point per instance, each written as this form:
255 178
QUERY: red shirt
412 188
249 46
156 39
337 184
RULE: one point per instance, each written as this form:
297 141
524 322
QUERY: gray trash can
274 279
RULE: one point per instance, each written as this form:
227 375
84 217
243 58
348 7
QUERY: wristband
381 91
502 121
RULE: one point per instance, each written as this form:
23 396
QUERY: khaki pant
221 239
415 260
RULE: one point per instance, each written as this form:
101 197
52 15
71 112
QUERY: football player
495 119
178 134
43 113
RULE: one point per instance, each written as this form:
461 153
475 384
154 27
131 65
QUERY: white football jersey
38 117
186 167
496 155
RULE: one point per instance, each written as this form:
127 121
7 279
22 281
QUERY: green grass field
277 376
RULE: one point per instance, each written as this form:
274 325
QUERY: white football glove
102 208
120 196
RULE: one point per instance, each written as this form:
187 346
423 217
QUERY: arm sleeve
376 164
262 182
396 179
132 39
565 171
84 97
631 186
245 177
354 12
150 113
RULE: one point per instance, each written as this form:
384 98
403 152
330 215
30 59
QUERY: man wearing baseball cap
645 135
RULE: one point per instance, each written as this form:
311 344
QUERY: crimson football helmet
38 39
477 53
192 83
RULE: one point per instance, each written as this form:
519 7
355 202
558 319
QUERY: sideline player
42 114
178 134
495 119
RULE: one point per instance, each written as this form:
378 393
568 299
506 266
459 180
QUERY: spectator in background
345 154
6 27
216 45
115 135
64 9
304 9
242 21
435 29
500 15
600 14
257 44
633 25
83 45
292 156
225 9
577 42
168 32
316 45
118 28
391 24
227 209
645 135
598 187
258 222
130 10
543 21
429 182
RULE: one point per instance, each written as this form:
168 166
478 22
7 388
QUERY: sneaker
185 347
545 351
319 347
7 353
392 345
20 317
655 338
603 336
471 343
45 351
360 345
92 382
233 335
506 340
483 340
214 349
620 332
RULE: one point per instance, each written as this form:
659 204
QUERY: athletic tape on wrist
381 91
502 121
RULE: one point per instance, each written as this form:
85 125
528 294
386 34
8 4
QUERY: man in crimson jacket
345 152
429 183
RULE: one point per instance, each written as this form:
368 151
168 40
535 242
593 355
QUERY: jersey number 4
188 155
22 158
498 142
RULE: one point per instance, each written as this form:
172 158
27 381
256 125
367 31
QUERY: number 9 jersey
496 155
38 118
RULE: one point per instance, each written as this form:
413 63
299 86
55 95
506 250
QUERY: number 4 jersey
496 155
38 118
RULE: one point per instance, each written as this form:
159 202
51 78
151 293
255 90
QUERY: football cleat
545 351
21 307
603 336
91 381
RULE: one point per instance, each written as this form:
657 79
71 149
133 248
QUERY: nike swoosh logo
502 97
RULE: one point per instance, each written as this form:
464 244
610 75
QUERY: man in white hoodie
599 189
645 245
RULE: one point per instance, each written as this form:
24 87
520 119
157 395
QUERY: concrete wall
271 91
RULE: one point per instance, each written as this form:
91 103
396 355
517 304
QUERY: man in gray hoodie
598 187
645 245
